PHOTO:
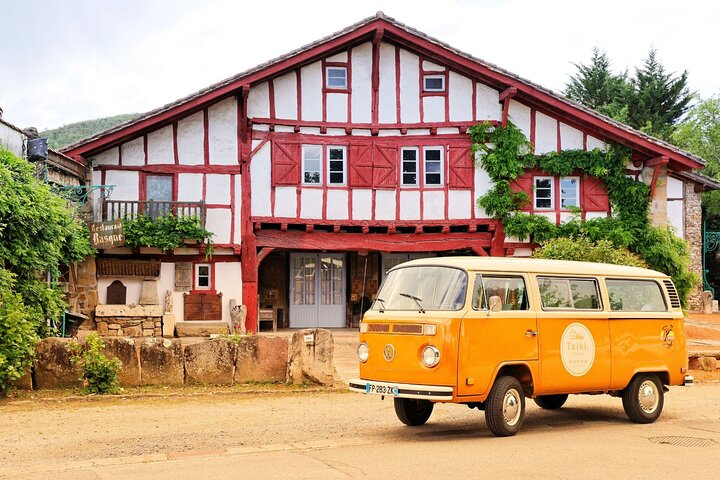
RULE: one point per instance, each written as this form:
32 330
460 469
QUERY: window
312 163
572 293
336 77
502 293
569 197
202 276
544 198
336 165
433 165
635 296
158 188
428 288
434 83
409 166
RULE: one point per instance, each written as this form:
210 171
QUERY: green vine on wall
506 154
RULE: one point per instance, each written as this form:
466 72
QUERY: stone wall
84 298
693 235
129 320
221 361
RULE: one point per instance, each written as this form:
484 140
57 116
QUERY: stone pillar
87 294
693 235
149 293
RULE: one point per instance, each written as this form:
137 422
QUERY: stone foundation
129 320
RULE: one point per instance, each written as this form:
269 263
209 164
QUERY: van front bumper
401 390
689 381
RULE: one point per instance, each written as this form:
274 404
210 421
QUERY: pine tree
659 99
597 87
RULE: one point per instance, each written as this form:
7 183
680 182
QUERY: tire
413 412
643 398
505 407
551 402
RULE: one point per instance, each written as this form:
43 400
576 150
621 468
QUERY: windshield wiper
382 305
417 300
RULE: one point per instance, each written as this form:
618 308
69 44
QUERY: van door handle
530 333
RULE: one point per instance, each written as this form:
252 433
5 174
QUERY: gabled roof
381 26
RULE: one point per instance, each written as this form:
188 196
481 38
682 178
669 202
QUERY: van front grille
378 327
404 328
672 292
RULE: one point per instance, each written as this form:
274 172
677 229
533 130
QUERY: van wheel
643 399
551 402
505 407
413 412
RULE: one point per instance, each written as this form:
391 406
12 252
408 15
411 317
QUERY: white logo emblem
577 349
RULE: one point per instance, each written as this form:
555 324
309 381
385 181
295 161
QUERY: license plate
381 389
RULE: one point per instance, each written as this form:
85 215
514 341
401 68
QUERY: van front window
423 288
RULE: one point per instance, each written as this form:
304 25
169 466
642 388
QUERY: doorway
317 290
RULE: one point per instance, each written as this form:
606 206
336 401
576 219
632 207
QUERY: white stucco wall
337 107
409 87
222 132
133 152
482 185
108 157
384 205
126 184
434 204
311 203
160 146
190 139
570 138
362 83
217 189
337 204
12 140
519 114
260 178
545 133
190 187
237 203
361 204
259 101
459 203
311 88
487 103
387 88
593 143
409 205
132 294
228 280
167 282
286 202
460 91
285 89
217 220
433 109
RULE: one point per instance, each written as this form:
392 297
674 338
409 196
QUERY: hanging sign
105 235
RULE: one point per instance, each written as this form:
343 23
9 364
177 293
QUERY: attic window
434 83
336 77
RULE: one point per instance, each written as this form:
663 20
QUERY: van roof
537 265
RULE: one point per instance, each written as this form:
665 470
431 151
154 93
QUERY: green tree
596 86
659 98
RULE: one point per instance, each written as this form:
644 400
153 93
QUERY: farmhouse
319 170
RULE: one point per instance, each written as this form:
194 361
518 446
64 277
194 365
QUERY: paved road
341 435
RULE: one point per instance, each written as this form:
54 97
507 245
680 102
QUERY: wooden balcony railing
119 209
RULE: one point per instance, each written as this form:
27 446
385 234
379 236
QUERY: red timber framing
375 30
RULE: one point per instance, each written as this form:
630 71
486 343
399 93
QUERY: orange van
489 332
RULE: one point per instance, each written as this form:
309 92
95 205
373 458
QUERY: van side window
569 293
501 292
635 296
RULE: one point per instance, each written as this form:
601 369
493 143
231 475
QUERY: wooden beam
264 252
661 160
508 93
396 242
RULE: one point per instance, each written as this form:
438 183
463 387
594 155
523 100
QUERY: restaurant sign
105 235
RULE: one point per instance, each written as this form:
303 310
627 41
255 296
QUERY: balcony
119 209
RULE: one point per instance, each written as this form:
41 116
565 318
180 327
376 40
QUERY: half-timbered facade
319 170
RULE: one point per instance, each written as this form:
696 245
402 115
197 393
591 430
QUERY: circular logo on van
577 349
389 352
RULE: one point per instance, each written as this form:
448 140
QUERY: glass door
317 290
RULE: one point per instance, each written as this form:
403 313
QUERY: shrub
17 334
584 249
97 372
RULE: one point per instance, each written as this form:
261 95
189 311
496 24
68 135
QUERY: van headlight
363 352
430 356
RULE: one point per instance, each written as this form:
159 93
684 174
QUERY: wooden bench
268 315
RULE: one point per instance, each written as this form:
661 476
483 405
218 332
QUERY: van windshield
423 288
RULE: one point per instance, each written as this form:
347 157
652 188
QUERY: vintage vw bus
488 332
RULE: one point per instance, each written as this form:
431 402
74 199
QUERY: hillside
67 134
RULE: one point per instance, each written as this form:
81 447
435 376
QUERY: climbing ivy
506 154
165 232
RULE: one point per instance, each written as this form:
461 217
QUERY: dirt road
332 434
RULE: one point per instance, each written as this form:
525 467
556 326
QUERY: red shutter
285 163
461 169
524 183
385 166
361 166
594 198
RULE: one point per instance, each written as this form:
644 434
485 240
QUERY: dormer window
336 78
434 83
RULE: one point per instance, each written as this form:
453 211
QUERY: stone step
200 328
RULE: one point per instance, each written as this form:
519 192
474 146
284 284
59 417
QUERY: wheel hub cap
511 407
648 397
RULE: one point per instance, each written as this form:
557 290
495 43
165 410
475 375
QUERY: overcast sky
63 61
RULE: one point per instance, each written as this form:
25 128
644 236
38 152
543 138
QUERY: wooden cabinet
203 306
